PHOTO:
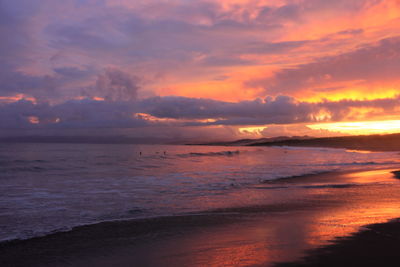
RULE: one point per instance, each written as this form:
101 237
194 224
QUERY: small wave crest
210 154
23 169
274 179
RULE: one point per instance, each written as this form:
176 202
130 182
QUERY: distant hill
386 142
249 142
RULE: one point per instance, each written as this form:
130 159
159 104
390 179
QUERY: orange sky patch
360 127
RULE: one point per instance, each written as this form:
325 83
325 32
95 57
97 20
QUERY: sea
47 188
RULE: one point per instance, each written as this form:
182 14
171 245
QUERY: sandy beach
327 207
376 245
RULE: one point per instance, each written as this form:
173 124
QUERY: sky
199 69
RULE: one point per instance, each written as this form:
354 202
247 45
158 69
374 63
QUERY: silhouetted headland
396 174
387 142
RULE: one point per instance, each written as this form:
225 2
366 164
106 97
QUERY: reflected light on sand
382 176
237 255
285 235
344 221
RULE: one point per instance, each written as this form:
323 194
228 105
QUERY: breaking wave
210 154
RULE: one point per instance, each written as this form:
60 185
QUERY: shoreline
98 239
281 180
219 236
299 180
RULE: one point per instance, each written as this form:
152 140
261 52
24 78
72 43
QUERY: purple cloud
180 111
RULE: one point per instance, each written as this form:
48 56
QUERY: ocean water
46 188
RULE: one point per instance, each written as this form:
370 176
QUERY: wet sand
377 245
320 209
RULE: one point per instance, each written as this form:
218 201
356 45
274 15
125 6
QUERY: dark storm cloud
282 109
71 114
279 110
182 111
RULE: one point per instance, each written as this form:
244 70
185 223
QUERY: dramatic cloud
180 111
282 109
184 65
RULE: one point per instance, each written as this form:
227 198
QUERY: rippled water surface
53 187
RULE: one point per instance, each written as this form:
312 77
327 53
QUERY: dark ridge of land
247 142
396 174
387 142
378 245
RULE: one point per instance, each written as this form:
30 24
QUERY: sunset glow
361 127
243 66
252 130
199 132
